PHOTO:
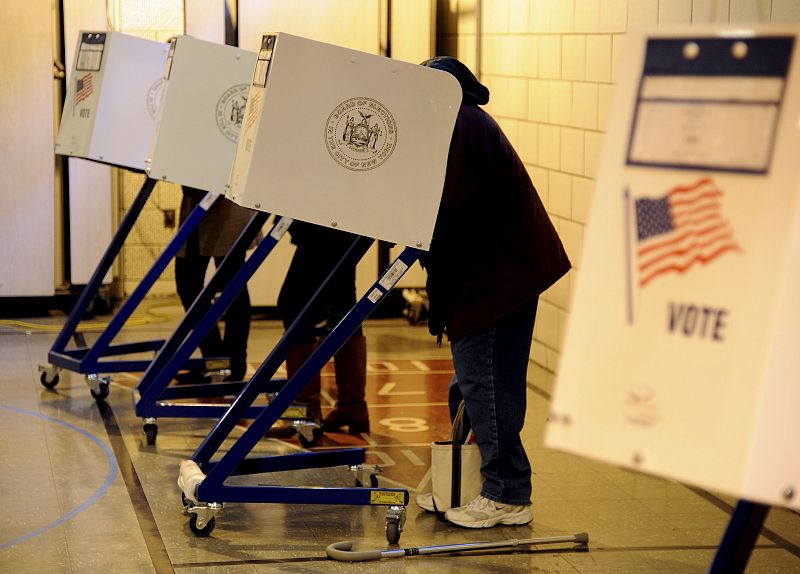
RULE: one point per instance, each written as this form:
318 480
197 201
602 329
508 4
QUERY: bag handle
459 433
458 436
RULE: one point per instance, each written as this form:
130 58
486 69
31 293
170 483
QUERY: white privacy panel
201 113
680 354
345 139
113 93
351 23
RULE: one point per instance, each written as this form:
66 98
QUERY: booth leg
740 538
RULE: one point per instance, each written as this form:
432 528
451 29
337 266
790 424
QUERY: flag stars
653 217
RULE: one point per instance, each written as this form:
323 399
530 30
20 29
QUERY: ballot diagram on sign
675 232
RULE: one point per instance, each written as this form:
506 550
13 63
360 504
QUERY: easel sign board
680 357
112 98
346 139
201 113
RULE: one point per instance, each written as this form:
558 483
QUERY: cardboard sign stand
203 481
89 360
153 394
740 538
696 210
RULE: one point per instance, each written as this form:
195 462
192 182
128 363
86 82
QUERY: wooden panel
27 197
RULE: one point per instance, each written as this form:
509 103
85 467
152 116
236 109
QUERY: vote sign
679 357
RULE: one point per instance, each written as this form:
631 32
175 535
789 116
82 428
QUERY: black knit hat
475 93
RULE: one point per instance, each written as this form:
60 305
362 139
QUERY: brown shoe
355 423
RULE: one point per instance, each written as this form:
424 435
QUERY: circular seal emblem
360 134
230 111
154 95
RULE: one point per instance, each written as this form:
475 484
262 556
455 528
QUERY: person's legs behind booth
190 272
317 253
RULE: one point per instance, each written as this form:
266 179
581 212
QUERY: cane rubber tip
582 538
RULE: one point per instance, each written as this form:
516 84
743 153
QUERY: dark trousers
190 272
312 262
490 376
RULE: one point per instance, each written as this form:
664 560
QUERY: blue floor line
112 474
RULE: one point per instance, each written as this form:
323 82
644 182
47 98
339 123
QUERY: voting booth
201 113
109 116
348 140
680 357
345 139
112 98
193 112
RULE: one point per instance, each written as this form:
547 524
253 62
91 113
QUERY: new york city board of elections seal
360 134
154 95
230 110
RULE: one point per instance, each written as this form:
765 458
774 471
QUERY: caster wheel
150 433
373 482
48 384
202 532
392 531
308 442
102 392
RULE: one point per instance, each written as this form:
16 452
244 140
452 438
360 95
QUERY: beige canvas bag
455 474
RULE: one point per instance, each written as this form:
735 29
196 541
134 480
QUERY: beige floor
82 491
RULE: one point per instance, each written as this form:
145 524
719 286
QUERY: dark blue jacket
494 248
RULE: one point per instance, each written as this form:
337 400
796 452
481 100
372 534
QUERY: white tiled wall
550 65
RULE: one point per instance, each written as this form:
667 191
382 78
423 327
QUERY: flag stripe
691 247
691 217
714 194
702 259
688 188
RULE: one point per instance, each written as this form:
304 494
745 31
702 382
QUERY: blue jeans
490 376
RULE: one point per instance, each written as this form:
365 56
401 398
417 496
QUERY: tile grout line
144 515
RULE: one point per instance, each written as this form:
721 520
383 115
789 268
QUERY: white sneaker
425 501
485 513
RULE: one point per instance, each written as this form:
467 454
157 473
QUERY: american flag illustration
681 229
83 88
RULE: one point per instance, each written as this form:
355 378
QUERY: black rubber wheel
102 392
316 434
48 384
150 433
392 531
202 532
